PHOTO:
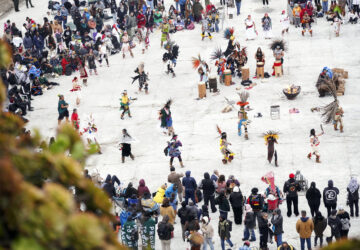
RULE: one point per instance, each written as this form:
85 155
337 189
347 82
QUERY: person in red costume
75 120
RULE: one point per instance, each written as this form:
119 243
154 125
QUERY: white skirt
250 33
268 34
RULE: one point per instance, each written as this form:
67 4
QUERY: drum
278 68
245 73
260 69
213 83
202 90
228 77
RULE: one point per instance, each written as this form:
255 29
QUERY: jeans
302 243
189 195
177 5
182 10
325 6
223 243
278 238
248 232
216 26
208 241
238 6
210 198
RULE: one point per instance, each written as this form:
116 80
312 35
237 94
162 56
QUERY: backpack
345 224
255 201
162 231
198 196
229 222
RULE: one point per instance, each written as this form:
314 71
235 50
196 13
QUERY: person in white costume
285 22
251 32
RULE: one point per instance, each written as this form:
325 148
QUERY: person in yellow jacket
296 14
159 197
285 246
124 105
305 227
228 155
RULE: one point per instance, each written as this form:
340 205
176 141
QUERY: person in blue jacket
190 186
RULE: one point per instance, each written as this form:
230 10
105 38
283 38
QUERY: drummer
260 58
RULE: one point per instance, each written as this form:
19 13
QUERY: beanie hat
247 243
206 219
172 169
291 176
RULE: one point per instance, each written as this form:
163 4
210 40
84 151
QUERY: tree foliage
37 210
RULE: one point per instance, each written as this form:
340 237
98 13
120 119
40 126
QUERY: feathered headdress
329 110
271 133
243 99
196 61
228 33
217 54
270 180
168 103
218 129
169 45
278 43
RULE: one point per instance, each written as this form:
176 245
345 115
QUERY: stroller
54 6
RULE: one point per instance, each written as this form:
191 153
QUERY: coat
330 194
169 211
189 182
236 199
207 230
207 185
159 197
223 203
277 221
224 229
319 226
313 196
174 178
142 188
304 227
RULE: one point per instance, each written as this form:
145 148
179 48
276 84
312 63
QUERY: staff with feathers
333 112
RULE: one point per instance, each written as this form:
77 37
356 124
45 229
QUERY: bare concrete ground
7 5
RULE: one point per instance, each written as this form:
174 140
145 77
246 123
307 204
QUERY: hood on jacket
277 211
206 175
254 191
165 218
108 179
313 185
304 219
130 185
183 204
142 183
248 208
236 189
330 184
187 173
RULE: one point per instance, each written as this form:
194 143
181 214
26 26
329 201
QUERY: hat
291 176
341 208
172 169
206 219
247 243
236 189
283 12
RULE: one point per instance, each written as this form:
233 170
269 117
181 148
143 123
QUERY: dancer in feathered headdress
333 112
278 47
202 68
170 56
271 138
166 119
142 77
227 153
242 114
229 34
206 27
219 63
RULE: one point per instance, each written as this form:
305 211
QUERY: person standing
335 225
208 186
320 224
174 178
190 186
208 233
167 210
238 6
263 230
183 215
345 222
236 200
126 146
129 232
62 109
16 5
291 188
223 203
142 188
330 194
250 224
353 196
148 231
29 2
165 230
224 229
256 201
313 197
277 221
304 227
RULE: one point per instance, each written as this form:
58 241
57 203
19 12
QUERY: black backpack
162 231
230 225
166 151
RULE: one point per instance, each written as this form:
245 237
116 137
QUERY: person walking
238 6
208 233
190 186
250 223
304 227
236 201
208 186
167 210
345 222
330 194
29 2
165 230
224 230
353 196
335 226
291 189
63 109
174 178
256 201
277 221
313 197
125 146
320 224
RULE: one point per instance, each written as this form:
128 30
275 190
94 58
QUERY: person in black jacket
320 224
236 200
313 197
130 190
109 185
330 194
208 186
183 215
345 222
335 225
277 221
291 189
164 231
264 230
353 196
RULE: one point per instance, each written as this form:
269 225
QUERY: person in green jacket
63 109
129 233
224 229
224 206
165 29
148 231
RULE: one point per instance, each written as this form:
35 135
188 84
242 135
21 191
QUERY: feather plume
168 103
329 110
169 45
244 96
271 133
196 61
218 129
280 43
217 54
228 33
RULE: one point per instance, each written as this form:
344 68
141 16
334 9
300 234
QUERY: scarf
353 185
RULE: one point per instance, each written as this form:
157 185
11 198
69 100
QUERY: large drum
245 73
260 70
228 77
278 68
202 90
213 84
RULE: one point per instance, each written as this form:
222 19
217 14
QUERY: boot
318 159
132 157
124 56
310 32
122 117
341 128
85 82
132 55
276 164
181 164
335 126
231 157
129 114
302 32
122 159
309 156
